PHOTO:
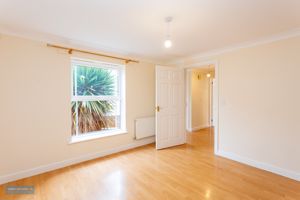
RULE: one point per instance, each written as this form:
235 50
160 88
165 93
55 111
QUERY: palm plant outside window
97 103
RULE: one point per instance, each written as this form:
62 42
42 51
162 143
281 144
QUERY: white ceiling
136 27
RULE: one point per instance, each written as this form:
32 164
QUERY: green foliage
91 115
92 81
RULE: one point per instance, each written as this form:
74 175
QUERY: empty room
149 100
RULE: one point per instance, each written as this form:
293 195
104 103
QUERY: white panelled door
170 107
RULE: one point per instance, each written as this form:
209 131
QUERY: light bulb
208 75
168 43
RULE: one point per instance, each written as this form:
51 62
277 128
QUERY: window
97 98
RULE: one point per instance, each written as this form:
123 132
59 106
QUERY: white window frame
121 98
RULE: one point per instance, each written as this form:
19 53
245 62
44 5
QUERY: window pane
91 116
74 117
94 81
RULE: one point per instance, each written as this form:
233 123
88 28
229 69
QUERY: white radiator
144 127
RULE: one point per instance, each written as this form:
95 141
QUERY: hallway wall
200 101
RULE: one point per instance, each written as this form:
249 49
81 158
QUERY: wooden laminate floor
185 172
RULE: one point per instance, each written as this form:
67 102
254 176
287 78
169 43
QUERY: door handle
157 108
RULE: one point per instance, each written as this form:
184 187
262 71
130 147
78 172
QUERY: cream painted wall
259 110
35 112
200 106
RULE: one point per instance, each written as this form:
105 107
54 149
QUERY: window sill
96 135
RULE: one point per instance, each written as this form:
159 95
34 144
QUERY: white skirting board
197 128
260 165
65 163
144 127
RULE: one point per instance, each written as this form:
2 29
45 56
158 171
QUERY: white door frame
187 92
188 110
211 104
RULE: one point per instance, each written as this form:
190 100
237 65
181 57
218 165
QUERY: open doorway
202 99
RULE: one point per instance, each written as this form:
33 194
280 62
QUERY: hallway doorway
202 99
